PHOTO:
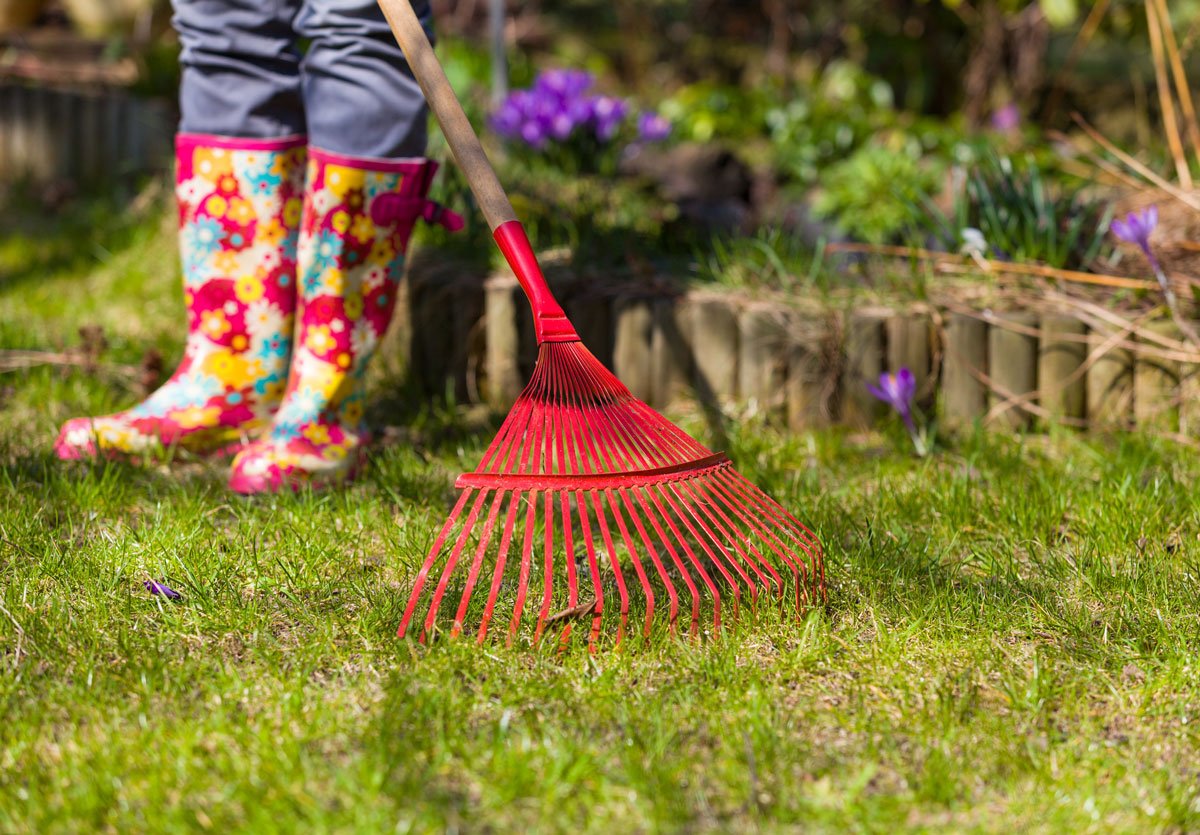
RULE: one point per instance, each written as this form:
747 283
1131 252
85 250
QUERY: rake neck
550 323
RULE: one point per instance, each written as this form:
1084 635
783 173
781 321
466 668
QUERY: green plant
843 108
873 194
771 258
1022 215
704 111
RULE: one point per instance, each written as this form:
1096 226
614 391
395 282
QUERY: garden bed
979 350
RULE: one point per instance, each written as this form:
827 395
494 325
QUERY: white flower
190 191
263 320
374 278
323 201
973 242
270 259
362 338
231 308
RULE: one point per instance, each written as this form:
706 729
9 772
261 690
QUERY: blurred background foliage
793 122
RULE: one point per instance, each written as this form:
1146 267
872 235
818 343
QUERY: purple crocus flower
897 391
607 114
155 587
1007 119
652 127
556 107
564 84
1135 228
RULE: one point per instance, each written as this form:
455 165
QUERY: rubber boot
358 217
240 204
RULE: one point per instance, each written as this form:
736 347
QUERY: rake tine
526 560
662 572
460 543
780 548
615 562
808 540
547 567
641 569
812 549
498 573
701 511
673 503
702 499
485 536
666 540
430 558
569 556
585 531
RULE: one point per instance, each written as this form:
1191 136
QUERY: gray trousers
264 69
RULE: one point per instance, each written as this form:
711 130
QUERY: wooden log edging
87 135
808 368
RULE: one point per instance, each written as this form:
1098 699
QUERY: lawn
1009 644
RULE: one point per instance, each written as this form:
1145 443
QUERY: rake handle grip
550 322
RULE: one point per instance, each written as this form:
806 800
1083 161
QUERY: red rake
584 480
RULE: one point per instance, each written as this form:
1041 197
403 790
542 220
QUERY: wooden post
90 162
468 348
1156 385
20 135
865 347
715 347
909 345
964 396
762 363
1109 381
631 346
1012 365
671 350
812 380
7 112
1062 350
502 294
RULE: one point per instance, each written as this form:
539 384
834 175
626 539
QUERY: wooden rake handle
550 323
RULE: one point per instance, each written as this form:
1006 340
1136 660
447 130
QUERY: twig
1037 270
1182 87
1165 101
1132 163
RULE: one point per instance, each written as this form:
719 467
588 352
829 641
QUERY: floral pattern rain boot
240 203
358 216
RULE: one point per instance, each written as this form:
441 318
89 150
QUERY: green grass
1010 641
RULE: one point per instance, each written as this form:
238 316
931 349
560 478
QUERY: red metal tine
594 567
706 511
673 611
705 539
510 521
548 566
647 589
415 597
460 543
615 561
526 560
569 558
485 537
708 583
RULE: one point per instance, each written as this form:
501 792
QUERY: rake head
590 506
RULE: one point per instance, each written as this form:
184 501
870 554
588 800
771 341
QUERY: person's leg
240 68
367 186
239 184
361 98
